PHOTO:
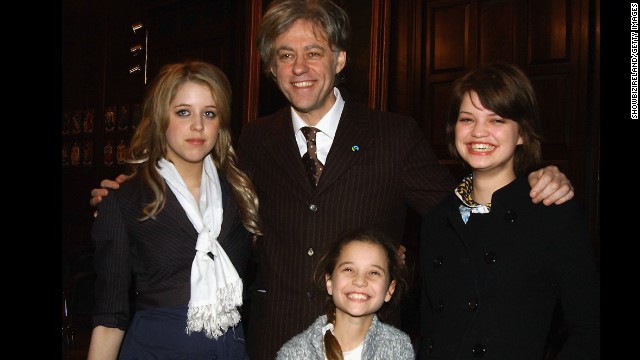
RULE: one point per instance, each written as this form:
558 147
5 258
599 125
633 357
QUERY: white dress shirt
327 126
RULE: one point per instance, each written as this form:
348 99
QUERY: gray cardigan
382 342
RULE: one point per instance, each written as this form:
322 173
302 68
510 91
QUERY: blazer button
473 304
313 207
310 251
478 350
510 217
437 262
308 296
440 307
429 345
490 257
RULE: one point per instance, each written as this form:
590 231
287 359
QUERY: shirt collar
329 122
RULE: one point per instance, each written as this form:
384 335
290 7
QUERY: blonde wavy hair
149 142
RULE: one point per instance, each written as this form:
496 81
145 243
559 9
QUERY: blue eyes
185 112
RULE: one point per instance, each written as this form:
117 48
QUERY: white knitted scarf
216 288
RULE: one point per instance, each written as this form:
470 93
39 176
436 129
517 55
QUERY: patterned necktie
310 158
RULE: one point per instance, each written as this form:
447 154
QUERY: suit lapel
282 146
354 129
177 213
353 136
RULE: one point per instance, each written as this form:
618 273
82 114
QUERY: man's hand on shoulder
98 193
550 186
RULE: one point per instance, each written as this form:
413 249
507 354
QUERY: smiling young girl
494 264
363 274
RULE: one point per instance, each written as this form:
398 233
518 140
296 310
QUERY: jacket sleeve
425 180
579 285
112 265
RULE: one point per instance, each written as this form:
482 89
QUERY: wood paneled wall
405 56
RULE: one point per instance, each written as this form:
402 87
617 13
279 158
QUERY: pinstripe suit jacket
158 252
370 187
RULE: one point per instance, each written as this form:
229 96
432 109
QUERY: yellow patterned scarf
464 191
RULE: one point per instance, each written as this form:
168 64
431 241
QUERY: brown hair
330 22
327 263
506 90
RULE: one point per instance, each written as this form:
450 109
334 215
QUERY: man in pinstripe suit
375 165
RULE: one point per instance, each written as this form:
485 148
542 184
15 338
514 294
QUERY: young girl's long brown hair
327 263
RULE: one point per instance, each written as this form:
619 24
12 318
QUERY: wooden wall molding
251 91
378 67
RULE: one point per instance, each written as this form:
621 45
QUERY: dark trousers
160 334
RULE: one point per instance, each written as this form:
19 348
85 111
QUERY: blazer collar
281 144
354 134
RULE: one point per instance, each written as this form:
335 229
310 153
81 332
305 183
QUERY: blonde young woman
179 230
